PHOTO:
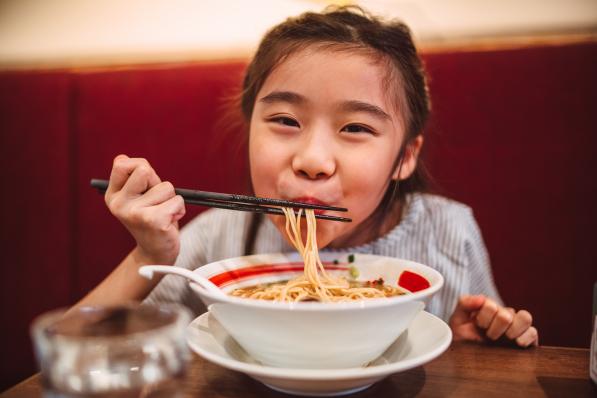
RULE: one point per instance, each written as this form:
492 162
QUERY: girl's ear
409 163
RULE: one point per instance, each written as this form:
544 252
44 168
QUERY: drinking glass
124 351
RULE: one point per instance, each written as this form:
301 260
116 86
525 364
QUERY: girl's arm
150 210
124 284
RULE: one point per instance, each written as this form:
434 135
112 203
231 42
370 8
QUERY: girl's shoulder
442 206
443 216
442 231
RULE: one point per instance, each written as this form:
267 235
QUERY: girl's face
324 131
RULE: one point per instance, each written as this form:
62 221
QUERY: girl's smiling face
323 130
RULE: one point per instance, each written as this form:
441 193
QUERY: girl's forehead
358 63
341 73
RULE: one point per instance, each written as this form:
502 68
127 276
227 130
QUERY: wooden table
464 370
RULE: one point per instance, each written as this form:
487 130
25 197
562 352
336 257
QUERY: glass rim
41 323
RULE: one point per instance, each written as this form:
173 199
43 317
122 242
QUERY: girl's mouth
313 201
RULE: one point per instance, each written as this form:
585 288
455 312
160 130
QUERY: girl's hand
148 208
478 318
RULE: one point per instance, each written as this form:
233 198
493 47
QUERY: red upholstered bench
512 135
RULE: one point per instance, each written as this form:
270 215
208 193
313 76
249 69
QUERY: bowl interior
247 271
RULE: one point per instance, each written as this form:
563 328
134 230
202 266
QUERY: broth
378 284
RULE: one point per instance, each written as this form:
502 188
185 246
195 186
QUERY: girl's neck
370 230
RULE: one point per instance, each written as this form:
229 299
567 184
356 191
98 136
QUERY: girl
335 105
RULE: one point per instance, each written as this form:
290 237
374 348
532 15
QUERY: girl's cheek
264 175
261 170
367 179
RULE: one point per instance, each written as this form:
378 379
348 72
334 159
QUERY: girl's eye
285 121
357 128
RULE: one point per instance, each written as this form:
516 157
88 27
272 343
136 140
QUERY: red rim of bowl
226 278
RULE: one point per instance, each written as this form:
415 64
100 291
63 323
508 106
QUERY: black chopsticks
240 202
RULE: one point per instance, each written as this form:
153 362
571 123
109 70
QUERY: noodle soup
316 334
360 290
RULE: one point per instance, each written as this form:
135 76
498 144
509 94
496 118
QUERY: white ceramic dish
313 334
426 338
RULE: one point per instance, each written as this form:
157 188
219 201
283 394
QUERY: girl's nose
314 158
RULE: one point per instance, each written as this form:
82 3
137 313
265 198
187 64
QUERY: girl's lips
313 201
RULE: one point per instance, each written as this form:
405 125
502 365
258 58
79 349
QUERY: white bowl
312 334
426 338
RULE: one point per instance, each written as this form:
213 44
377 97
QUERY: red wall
35 217
512 135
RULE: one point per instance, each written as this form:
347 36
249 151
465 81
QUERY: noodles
315 283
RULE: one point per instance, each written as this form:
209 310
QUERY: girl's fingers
142 178
528 337
465 307
121 169
169 212
500 323
157 194
521 322
486 314
495 320
467 332
160 217
461 320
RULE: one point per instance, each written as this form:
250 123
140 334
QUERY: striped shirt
434 231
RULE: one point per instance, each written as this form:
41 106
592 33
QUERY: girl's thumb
466 305
471 303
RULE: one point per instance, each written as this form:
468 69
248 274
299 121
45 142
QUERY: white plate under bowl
425 339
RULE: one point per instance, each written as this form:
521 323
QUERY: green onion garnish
354 272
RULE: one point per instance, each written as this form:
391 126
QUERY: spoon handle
148 270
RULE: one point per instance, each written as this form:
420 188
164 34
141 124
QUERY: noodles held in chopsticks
315 284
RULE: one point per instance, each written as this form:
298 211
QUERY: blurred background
71 33
513 135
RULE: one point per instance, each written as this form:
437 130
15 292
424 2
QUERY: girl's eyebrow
283 96
352 106
360 106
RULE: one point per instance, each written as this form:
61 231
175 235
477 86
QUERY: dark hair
351 28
